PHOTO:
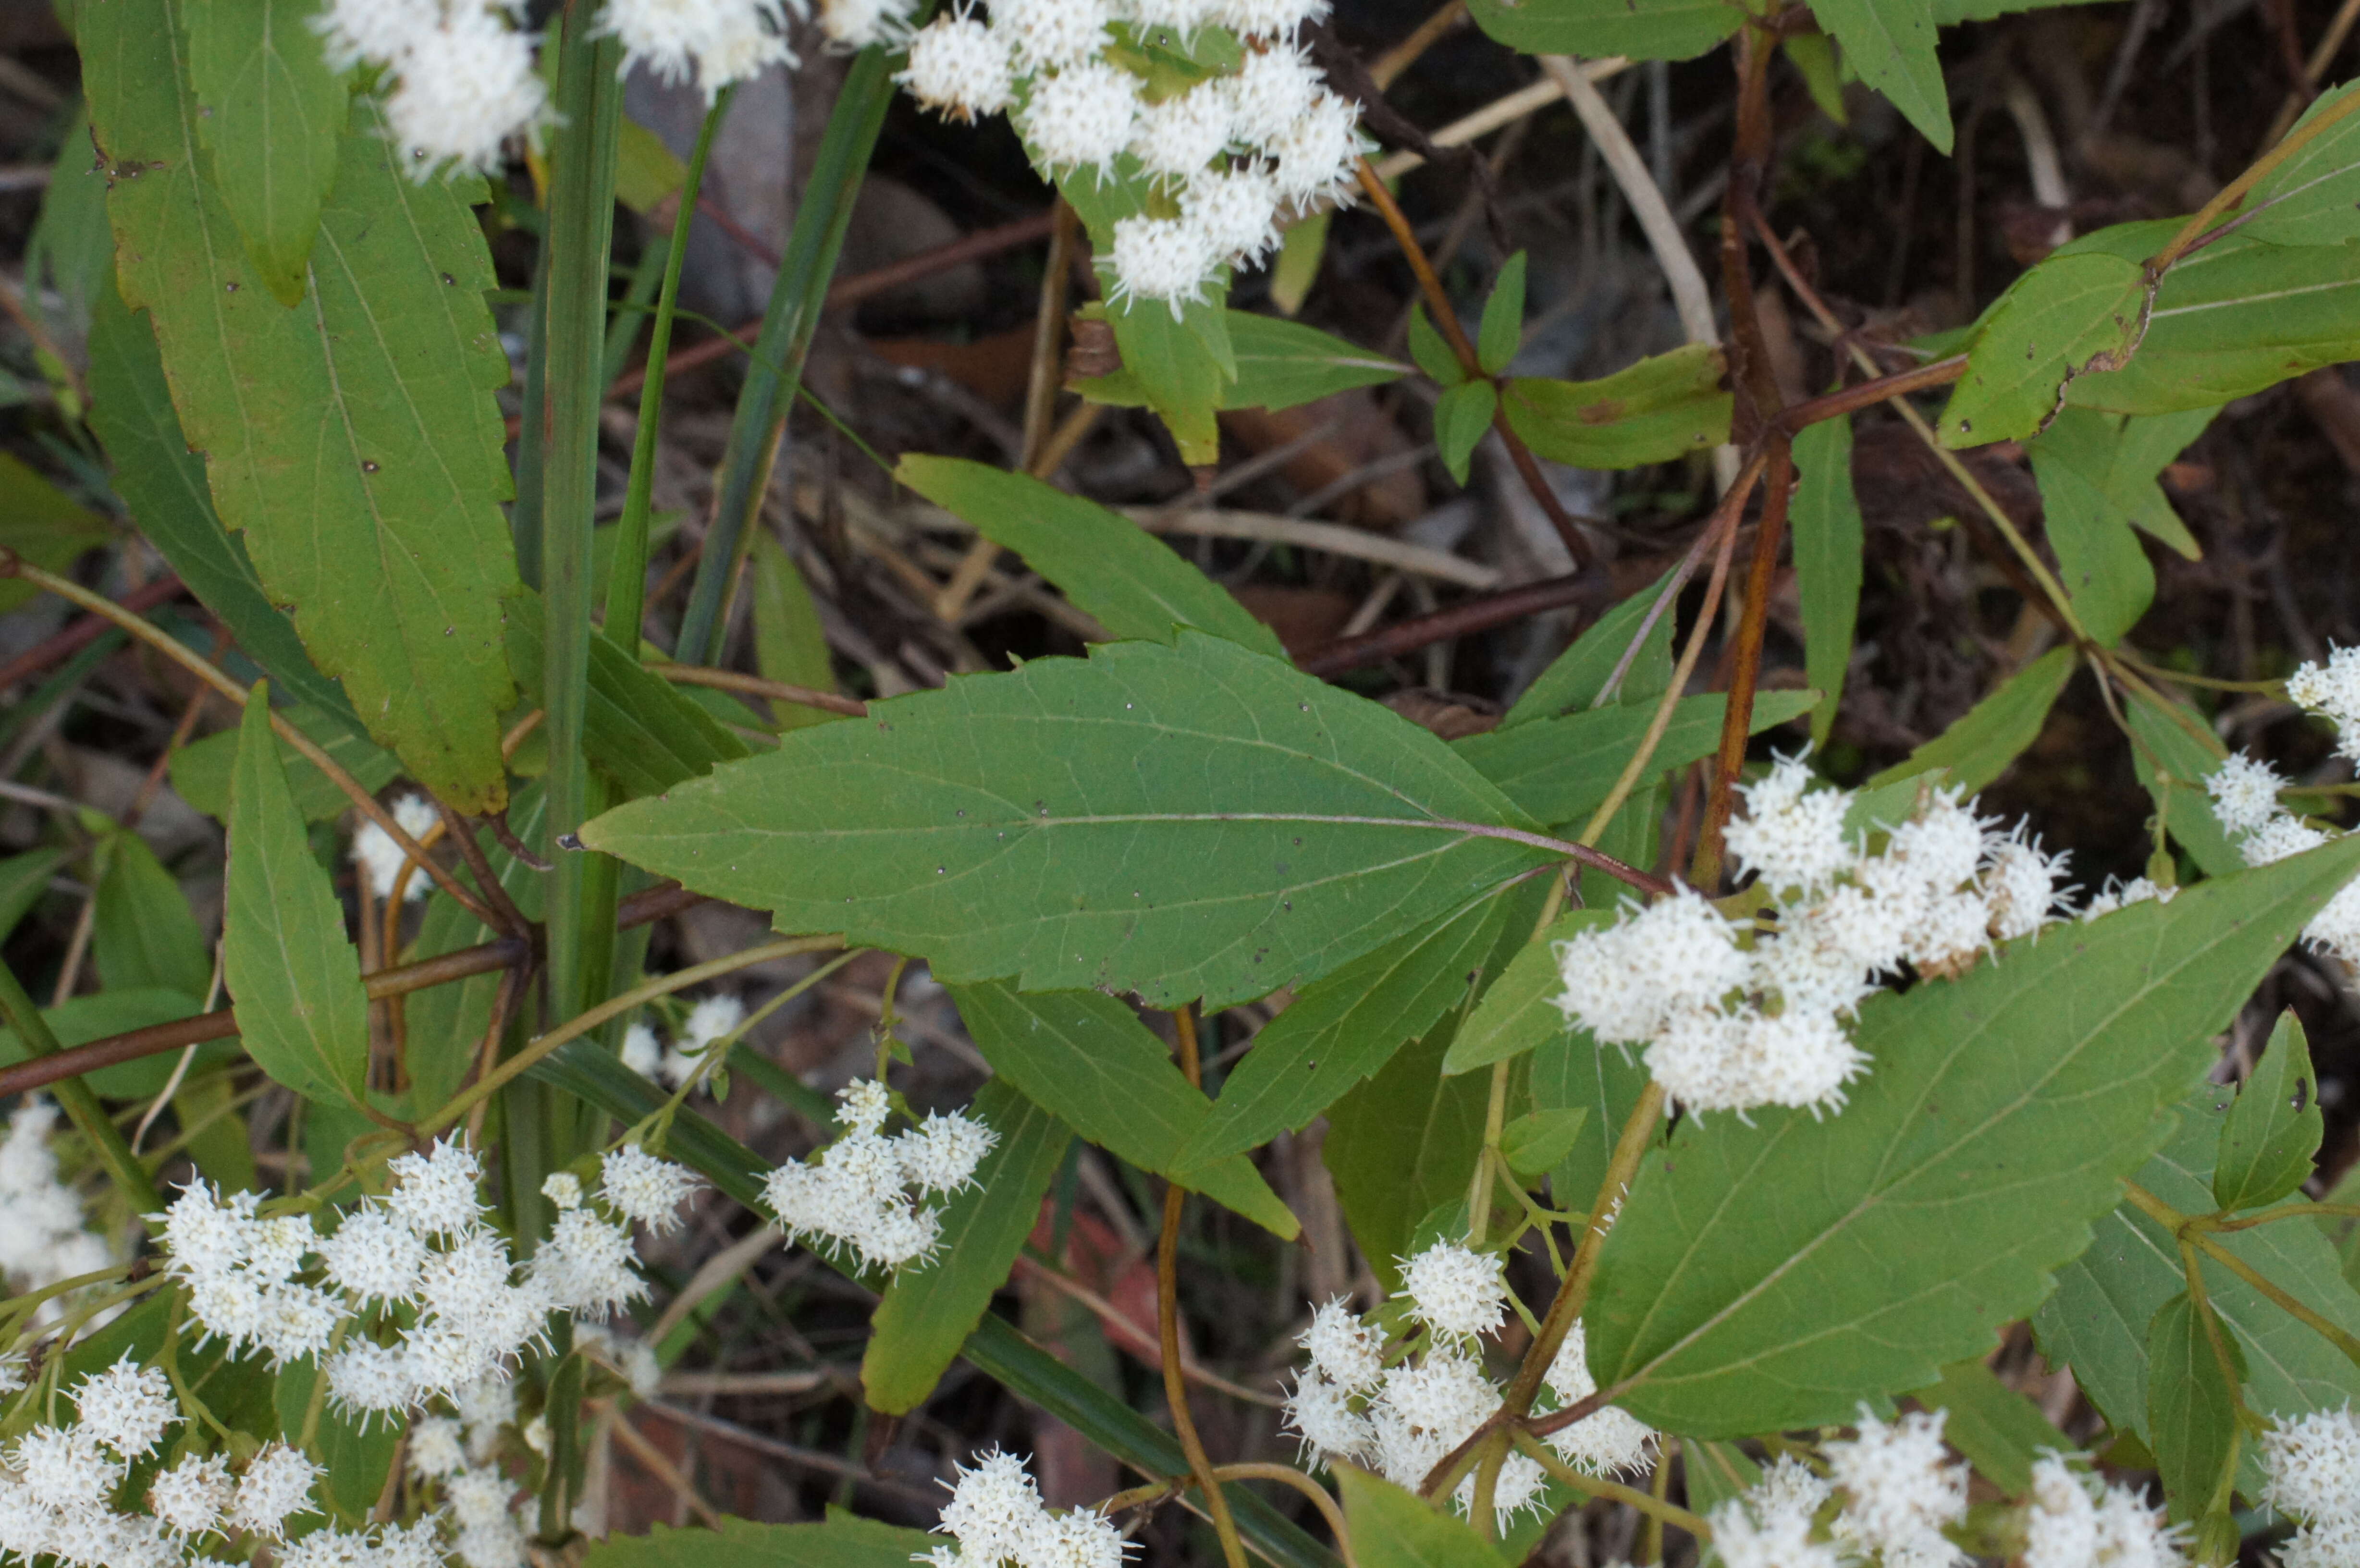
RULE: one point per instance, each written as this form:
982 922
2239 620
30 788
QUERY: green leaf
2314 197
354 439
647 173
163 484
2097 1320
2273 1131
1769 1277
1984 740
1460 420
1538 1140
357 1459
271 113
1503 319
1088 1060
929 1309
1716 1472
639 730
1642 29
2117 461
1346 1027
1997 1428
2099 560
1433 355
2179 789
1130 580
69 247
77 1021
201 770
1575 678
1519 1010
1559 769
142 930
843 1542
2075 313
789 645
1282 363
584 1069
1659 409
2238 316
41 523
1177 822
1278 365
23 879
1825 517
2191 1408
296 981
1402 1144
1813 56
1890 43
1952 13
1392 1528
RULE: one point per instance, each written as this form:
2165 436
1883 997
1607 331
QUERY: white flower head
2123 895
2244 791
465 87
1273 88
959 67
2332 689
857 23
381 860
941 1153
1317 155
1050 35
1320 1411
562 1189
2313 1461
65 1468
127 1407
586 1264
1342 1348
1792 835
1082 117
1168 260
191 1498
1770 1526
711 1018
2278 839
1237 209
855 1193
1900 1489
276 1487
434 1194
721 41
437 1448
373 1256
1456 1290
369 1380
1268 20
2019 886
1607 1441
992 1506
642 1053
1174 140
646 1189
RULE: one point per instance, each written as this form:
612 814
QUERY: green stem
789 323
2187 1231
2283 1212
514 1067
1647 1503
626 584
581 232
80 1104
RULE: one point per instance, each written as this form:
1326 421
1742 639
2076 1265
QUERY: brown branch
1463 620
1868 393
63 645
1445 320
1168 1323
641 909
1737 717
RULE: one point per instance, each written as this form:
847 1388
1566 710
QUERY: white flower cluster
58 1484
1729 1023
721 41
42 1240
381 860
2244 791
862 1191
996 1516
456 1456
2068 1527
1234 151
1899 1490
429 1298
1402 1419
2314 1465
462 75
709 1020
